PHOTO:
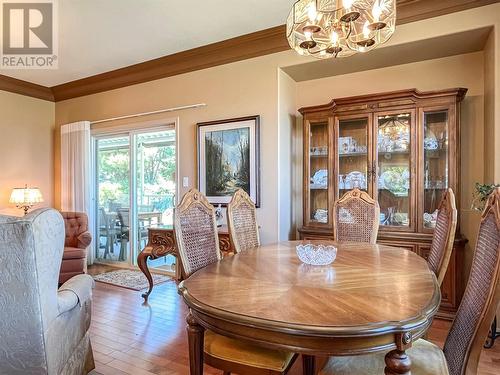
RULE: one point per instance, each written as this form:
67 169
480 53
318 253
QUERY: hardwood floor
135 339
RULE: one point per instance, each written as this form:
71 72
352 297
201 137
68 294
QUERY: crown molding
247 46
18 86
243 47
458 92
417 10
240 48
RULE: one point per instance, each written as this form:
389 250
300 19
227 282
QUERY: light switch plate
185 182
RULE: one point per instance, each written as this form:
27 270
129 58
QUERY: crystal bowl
317 255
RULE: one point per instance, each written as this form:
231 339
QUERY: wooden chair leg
195 341
308 364
492 336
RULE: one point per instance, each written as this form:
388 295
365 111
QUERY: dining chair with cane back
444 235
356 217
242 222
469 330
198 246
196 232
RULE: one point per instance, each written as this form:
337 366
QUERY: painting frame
252 123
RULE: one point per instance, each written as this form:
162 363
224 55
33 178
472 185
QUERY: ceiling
97 36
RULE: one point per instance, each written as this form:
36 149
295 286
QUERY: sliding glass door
155 187
135 185
113 197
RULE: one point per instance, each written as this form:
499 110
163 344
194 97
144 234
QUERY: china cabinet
403 148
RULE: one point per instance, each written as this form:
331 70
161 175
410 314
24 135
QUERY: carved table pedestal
161 242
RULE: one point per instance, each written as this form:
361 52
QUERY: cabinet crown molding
412 94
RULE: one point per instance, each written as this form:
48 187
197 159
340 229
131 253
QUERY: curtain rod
150 113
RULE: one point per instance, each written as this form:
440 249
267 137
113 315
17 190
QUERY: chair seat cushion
245 353
74 253
426 359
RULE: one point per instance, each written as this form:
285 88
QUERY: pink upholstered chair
77 240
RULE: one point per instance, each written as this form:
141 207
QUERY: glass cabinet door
435 173
353 159
394 168
319 197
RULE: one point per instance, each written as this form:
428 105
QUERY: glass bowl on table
316 255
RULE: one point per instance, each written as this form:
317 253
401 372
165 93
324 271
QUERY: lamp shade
25 196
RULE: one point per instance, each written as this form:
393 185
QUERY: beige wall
257 86
287 96
492 108
26 146
240 89
253 87
457 71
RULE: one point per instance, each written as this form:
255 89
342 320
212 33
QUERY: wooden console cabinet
403 148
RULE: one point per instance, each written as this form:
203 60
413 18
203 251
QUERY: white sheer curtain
76 189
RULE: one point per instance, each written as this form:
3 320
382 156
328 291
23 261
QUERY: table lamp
25 197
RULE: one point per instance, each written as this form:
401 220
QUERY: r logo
28 28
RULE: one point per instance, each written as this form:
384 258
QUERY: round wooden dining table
371 298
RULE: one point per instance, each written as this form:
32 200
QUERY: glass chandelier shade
339 28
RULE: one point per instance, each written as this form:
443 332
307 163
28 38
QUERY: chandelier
339 28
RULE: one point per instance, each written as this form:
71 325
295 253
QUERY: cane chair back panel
356 218
196 232
444 235
242 222
477 309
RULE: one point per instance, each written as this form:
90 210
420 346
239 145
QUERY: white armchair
44 331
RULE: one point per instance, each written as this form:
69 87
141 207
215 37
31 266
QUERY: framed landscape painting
228 158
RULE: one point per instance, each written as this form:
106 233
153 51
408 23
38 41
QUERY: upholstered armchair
78 238
44 331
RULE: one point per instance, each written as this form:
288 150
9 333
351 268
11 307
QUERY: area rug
129 279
